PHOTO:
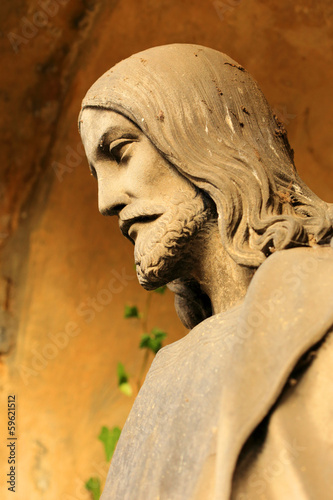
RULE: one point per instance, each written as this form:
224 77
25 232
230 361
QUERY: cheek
168 178
150 176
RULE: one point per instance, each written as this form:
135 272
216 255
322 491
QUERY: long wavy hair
207 116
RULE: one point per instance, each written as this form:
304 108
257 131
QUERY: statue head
216 149
159 210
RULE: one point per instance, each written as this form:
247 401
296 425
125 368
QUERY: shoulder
205 341
306 269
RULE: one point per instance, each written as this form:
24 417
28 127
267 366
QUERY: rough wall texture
57 252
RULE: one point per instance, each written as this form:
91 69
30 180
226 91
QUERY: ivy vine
151 342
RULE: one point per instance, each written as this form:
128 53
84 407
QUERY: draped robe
241 408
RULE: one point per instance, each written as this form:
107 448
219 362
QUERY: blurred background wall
58 254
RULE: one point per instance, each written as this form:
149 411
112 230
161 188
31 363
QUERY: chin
151 285
152 278
166 268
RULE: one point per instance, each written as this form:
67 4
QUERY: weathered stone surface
49 229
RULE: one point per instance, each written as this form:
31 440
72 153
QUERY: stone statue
190 157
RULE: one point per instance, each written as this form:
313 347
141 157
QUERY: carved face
159 210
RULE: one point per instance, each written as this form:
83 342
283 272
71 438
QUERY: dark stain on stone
161 116
235 66
209 109
217 87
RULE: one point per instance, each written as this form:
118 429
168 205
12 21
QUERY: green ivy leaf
145 340
94 486
122 375
109 438
131 312
161 290
123 382
126 389
158 334
152 340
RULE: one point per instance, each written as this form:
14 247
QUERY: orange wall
57 251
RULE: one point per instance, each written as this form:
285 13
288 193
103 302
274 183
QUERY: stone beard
159 251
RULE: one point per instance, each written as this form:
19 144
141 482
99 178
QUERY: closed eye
120 148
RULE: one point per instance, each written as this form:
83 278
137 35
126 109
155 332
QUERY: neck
218 275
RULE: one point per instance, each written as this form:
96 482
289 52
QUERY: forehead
96 122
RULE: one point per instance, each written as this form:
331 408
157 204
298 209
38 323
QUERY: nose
111 197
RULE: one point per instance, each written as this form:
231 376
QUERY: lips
127 227
138 214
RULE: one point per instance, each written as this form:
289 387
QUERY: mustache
142 211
